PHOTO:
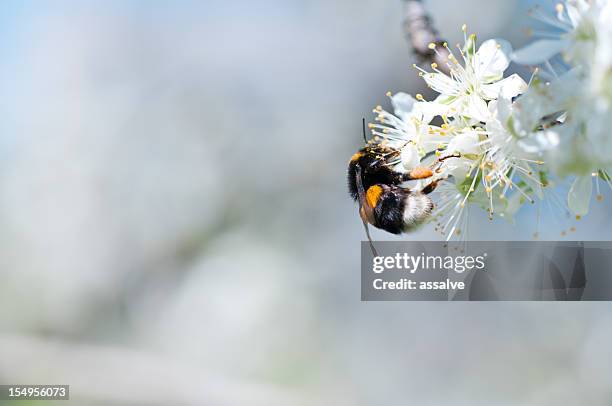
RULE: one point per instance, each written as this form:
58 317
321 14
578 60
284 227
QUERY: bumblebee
383 202
377 186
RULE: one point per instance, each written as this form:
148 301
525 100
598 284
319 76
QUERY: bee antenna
364 132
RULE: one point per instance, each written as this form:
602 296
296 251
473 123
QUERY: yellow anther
420 97
389 94
578 217
434 65
432 45
559 8
464 27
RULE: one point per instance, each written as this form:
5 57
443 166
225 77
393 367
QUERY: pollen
432 45
419 97
434 65
578 217
421 173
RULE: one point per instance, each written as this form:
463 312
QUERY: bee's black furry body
375 169
383 202
400 210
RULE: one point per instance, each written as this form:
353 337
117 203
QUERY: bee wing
365 211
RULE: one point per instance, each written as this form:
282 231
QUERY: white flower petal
508 88
492 59
477 108
464 143
442 84
429 141
403 105
458 168
579 196
539 51
410 156
429 110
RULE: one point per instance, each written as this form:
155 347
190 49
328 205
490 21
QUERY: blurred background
175 227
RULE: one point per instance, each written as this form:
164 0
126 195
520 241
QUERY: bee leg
432 185
454 155
436 165
419 172
430 188
423 172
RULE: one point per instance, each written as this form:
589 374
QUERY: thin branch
420 32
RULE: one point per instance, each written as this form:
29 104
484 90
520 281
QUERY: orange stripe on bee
373 195
356 156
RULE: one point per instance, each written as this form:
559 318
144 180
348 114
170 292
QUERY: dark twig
420 32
